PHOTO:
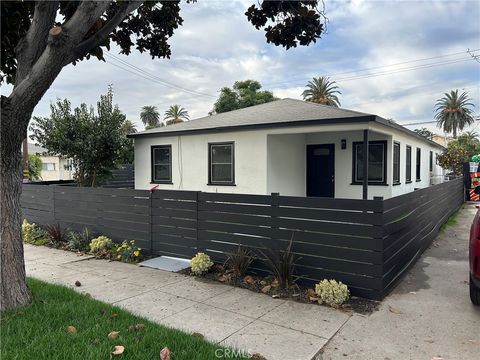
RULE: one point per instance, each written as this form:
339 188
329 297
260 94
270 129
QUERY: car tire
474 292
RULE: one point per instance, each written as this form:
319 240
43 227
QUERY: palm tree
453 112
176 114
150 117
322 91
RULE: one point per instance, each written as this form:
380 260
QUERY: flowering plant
128 251
331 292
201 263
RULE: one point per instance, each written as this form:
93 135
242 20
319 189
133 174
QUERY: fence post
197 240
274 203
150 196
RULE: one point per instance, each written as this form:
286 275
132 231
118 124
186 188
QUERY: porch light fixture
343 144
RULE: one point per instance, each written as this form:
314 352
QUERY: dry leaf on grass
139 326
394 309
72 329
113 334
118 350
165 354
113 316
197 335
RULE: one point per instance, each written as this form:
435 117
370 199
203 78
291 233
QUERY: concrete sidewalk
276 329
428 315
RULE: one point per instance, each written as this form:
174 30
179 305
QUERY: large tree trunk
14 290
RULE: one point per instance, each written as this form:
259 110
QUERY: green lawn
39 331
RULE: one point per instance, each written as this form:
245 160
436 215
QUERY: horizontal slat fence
367 244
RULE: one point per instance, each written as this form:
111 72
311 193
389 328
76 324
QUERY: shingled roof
278 113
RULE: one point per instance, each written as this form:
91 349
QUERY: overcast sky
217 46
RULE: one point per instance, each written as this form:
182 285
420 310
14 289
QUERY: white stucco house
290 147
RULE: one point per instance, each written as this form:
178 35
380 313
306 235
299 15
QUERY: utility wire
378 67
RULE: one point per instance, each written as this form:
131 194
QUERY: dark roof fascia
403 129
343 120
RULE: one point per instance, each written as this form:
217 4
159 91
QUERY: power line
377 67
156 78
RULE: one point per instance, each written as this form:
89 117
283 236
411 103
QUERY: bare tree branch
32 45
96 39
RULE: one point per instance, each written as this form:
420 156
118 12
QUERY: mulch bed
269 286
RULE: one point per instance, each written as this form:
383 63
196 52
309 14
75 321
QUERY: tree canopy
425 133
39 39
459 151
34 167
453 112
176 114
150 117
94 141
323 91
243 94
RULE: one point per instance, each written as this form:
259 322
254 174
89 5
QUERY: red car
474 251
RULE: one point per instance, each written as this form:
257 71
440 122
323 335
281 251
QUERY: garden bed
269 286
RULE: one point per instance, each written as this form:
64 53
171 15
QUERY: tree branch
96 39
87 13
32 45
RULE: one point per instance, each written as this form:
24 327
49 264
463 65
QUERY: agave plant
453 112
281 264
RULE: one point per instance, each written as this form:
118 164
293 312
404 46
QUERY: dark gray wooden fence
367 244
122 177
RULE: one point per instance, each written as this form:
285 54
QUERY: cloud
217 46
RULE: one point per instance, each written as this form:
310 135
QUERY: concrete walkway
428 315
276 329
436 317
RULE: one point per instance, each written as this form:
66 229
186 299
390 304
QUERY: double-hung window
162 164
408 164
221 164
377 165
396 163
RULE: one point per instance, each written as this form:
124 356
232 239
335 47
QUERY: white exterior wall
274 160
192 172
426 178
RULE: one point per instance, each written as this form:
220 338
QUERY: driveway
428 315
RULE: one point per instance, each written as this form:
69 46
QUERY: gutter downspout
365 164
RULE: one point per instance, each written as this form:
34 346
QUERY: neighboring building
290 147
441 139
54 167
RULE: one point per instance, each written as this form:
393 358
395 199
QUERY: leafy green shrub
33 234
201 263
239 261
79 241
128 251
101 245
56 235
331 292
281 264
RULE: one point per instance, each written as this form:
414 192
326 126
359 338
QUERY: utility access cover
167 263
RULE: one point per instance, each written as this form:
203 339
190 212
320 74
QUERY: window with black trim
431 161
396 163
162 164
377 165
221 164
418 164
408 164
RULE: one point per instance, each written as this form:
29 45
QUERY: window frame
232 156
152 163
430 159
418 165
396 181
355 181
408 164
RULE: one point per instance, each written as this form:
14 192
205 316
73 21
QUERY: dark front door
321 170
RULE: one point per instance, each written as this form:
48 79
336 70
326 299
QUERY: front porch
330 164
